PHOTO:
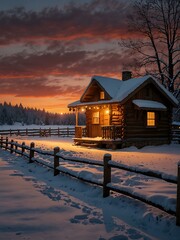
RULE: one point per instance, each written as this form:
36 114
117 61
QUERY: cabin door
95 128
99 118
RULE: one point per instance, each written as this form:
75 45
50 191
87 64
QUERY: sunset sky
50 49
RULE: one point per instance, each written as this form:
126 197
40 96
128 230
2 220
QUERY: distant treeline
10 114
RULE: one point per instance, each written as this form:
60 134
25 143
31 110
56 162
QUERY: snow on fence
68 131
107 164
176 135
42 132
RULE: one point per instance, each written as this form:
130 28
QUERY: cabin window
151 119
95 118
101 95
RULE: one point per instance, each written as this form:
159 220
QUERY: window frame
102 95
150 117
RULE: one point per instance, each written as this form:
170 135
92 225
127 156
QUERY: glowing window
150 119
102 95
95 117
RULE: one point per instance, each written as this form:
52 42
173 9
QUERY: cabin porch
111 137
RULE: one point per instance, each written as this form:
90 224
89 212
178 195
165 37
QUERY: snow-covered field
37 205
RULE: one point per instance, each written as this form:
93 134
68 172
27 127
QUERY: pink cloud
37 88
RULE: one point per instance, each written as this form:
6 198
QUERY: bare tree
158 44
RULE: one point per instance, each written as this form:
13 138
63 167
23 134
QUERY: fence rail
107 131
107 164
42 132
176 134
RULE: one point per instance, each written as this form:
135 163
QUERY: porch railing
80 131
108 132
112 132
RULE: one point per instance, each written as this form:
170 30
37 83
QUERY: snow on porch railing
107 164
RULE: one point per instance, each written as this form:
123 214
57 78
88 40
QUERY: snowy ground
37 205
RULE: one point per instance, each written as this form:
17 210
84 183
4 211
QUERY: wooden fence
42 132
107 164
176 135
70 131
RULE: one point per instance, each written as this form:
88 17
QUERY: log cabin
121 113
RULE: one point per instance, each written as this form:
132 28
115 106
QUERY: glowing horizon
49 53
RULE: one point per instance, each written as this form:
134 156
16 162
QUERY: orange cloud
36 88
59 63
51 54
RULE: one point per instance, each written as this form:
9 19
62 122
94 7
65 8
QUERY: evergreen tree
10 114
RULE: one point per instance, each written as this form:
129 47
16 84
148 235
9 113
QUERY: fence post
58 131
22 151
178 198
56 160
107 174
1 145
6 147
26 131
10 132
67 132
49 131
31 153
12 145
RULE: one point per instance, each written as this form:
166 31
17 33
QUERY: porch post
77 117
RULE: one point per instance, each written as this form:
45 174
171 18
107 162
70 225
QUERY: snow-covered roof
119 90
147 104
110 85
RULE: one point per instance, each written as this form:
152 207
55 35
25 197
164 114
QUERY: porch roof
149 105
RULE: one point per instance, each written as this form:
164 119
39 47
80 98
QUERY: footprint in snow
17 174
95 221
86 210
83 219
75 205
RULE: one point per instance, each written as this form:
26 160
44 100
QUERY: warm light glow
150 119
107 111
95 118
82 109
102 95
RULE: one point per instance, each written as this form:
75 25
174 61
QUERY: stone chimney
126 75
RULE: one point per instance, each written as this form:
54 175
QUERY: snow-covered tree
10 114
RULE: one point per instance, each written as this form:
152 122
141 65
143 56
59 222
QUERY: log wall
135 128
